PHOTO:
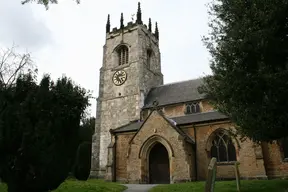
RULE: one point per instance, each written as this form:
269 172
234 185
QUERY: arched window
222 147
192 108
123 54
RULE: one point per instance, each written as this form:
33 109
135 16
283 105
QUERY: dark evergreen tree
249 48
86 132
83 161
87 128
39 132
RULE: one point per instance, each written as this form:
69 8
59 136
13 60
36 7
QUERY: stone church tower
131 67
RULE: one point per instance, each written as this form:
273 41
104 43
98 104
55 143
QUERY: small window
192 108
149 58
123 55
223 148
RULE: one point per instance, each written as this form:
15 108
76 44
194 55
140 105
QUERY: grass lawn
92 185
227 186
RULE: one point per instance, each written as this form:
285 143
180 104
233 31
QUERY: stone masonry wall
115 113
118 105
121 156
276 166
256 161
151 75
96 137
179 109
181 166
175 110
251 163
205 106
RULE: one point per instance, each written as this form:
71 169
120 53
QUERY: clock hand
119 78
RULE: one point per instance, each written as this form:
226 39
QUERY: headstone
237 175
210 182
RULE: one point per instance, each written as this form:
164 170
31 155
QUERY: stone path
138 187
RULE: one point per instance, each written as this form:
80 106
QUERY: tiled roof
199 117
133 126
174 93
182 120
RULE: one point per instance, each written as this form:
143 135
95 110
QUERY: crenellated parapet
132 25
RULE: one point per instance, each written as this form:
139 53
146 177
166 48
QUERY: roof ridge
177 82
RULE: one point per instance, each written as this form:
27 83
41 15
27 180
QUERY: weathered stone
276 165
110 162
210 182
180 163
118 105
250 168
258 151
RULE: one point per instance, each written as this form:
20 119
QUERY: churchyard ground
92 185
227 186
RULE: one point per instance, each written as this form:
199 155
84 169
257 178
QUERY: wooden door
159 170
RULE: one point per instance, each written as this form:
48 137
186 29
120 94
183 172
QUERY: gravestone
237 175
210 182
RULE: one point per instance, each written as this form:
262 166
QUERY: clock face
119 77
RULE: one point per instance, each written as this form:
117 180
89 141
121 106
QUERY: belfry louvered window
192 108
123 54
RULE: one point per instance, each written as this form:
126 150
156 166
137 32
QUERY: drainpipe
195 155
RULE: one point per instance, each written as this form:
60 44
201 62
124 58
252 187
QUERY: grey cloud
18 25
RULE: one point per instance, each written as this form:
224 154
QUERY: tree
44 2
81 169
13 64
39 132
87 123
249 48
83 161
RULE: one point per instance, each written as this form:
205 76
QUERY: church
150 132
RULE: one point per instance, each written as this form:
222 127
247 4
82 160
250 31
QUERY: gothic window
192 108
149 58
222 147
123 55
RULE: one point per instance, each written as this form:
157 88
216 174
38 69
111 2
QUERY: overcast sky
68 38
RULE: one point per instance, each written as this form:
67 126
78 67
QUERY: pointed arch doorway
159 168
